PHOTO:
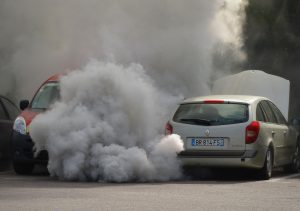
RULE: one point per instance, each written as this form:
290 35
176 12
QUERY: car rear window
212 114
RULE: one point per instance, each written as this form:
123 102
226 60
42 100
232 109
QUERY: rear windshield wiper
197 121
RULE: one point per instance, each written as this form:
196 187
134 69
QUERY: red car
22 146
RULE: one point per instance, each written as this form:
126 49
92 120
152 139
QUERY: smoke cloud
130 62
172 40
106 126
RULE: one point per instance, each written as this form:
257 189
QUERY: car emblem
207 132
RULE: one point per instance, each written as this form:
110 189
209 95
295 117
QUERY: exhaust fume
105 127
129 62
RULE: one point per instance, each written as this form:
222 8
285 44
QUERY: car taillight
252 132
168 129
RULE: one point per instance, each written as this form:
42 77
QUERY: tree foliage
272 41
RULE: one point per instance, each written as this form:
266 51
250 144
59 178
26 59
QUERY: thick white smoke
106 127
108 123
172 39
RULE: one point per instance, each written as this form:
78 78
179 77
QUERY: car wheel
266 171
295 165
23 168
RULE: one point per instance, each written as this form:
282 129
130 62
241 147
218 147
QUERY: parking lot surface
208 192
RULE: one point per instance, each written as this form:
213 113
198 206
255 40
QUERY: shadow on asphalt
228 175
221 174
40 177
39 170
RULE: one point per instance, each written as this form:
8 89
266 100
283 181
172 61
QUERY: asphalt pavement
209 191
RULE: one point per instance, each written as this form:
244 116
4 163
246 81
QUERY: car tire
295 165
23 168
266 171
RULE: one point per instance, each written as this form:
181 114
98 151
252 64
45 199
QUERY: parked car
22 146
8 113
235 131
295 122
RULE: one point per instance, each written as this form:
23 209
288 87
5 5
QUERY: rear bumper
22 150
246 159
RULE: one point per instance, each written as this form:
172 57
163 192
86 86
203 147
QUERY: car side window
13 112
2 111
259 113
280 118
269 113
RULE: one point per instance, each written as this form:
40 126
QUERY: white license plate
208 142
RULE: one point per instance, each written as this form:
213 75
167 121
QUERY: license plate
208 142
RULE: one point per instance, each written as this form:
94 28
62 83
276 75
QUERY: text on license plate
218 142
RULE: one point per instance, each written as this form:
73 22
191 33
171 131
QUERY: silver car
235 131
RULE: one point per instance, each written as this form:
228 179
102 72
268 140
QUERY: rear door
5 126
289 138
8 112
275 130
212 128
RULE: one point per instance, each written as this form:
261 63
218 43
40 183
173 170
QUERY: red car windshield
46 96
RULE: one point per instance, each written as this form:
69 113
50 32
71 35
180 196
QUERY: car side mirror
24 104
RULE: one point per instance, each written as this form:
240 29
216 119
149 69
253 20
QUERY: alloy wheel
269 162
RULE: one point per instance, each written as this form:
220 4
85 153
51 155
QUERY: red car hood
29 115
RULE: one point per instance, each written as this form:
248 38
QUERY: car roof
249 99
55 77
6 98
